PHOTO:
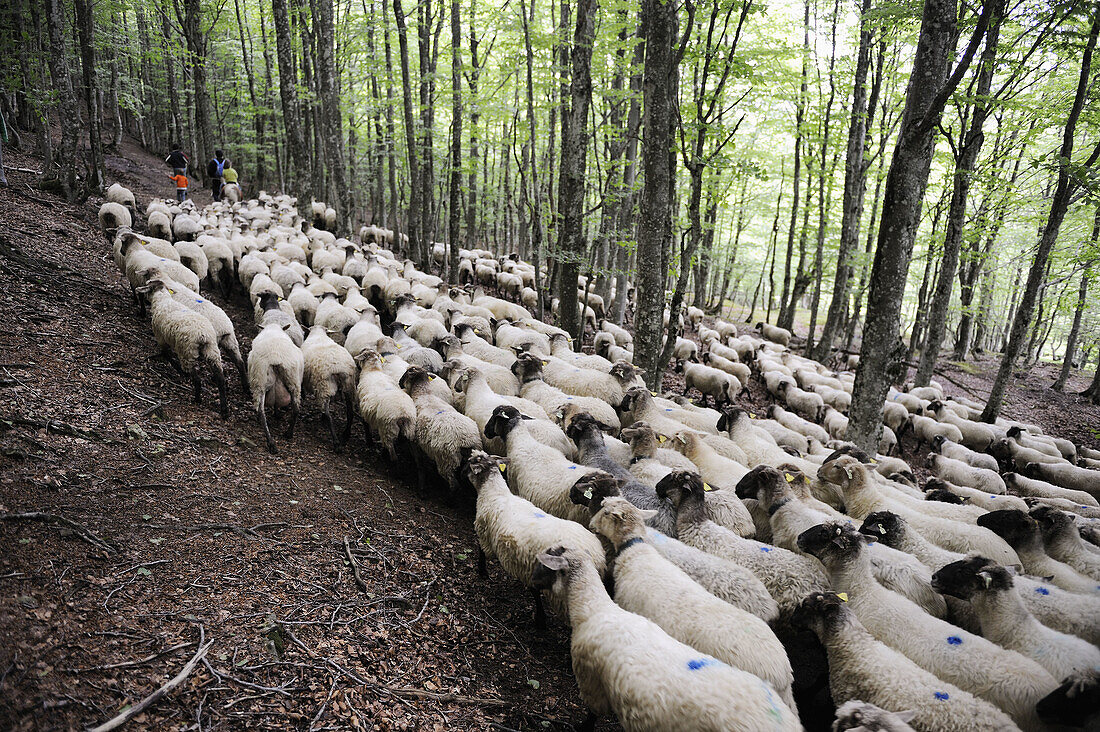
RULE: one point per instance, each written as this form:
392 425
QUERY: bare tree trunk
1059 204
298 180
415 218
659 21
259 120
331 119
1075 330
534 199
86 26
476 64
454 222
66 100
196 39
787 300
929 88
630 172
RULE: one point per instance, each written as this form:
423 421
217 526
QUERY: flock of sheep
973 604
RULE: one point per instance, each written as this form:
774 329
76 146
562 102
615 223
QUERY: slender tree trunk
86 26
472 212
928 91
1059 204
626 221
1093 392
787 300
535 200
415 216
391 140
659 20
259 119
454 225
1075 330
66 100
574 150
196 51
298 179
328 84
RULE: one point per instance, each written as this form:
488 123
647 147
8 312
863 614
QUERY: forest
715 256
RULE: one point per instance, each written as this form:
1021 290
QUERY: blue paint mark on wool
765 548
697 663
440 412
539 514
954 640
198 299
572 467
668 409
942 695
1042 590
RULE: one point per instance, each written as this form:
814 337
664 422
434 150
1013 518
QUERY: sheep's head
591 488
763 483
860 716
937 442
414 379
798 481
528 367
368 358
480 467
843 471
269 301
502 422
937 490
1015 431
759 327
1014 526
934 407
930 460
643 440
848 448
386 346
1002 450
579 425
633 399
464 332
680 486
730 415
619 520
447 346
623 372
969 577
1052 523
551 569
833 542
1033 470
884 526
821 612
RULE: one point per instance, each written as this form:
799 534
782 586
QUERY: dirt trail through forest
195 533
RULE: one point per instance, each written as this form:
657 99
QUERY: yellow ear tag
545 363
653 393
399 348
588 494
707 487
848 472
789 477
503 467
382 359
752 416
171 292
661 438
843 596
431 378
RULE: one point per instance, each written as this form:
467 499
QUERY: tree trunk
928 91
415 218
298 177
574 149
627 221
454 222
659 21
787 300
970 147
391 140
534 198
196 50
1075 330
66 100
1059 204
331 118
86 25
476 64
259 118
1093 392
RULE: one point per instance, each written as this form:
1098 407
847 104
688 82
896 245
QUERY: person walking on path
180 180
231 188
215 170
177 159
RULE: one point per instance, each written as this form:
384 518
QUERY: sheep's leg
703 401
223 396
196 380
295 410
367 436
589 723
687 388
540 612
170 357
241 369
482 569
349 417
262 414
418 458
331 425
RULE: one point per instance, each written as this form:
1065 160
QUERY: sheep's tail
404 427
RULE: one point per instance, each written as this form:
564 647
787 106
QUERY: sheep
186 338
1062 541
896 417
1050 445
474 345
758 446
275 369
927 430
193 257
1067 612
1022 485
955 451
185 227
982 499
561 348
861 716
415 354
723 579
622 337
792 421
1012 455
712 382
863 667
528 369
648 584
138 262
514 531
805 403
1021 531
501 379
838 399
861 498
158 224
1065 475
480 401
975 435
384 407
587 382
1004 678
443 435
648 461
738 370
540 473
270 309
112 217
782 336
219 260
1005 620
119 193
788 576
723 506
960 473
329 371
627 665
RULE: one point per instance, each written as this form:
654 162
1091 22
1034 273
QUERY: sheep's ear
987 578
553 562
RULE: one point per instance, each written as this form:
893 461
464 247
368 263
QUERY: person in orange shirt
181 185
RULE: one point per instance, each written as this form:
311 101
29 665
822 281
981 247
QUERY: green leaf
533 683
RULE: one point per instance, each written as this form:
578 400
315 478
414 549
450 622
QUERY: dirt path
212 537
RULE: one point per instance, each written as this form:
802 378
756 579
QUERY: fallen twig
80 530
128 664
157 695
55 426
354 566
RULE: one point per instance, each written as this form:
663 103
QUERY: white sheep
626 664
792 421
648 584
186 338
955 451
775 334
1010 681
384 407
862 667
712 382
528 369
1022 485
119 193
443 435
1065 475
330 371
112 217
1021 531
275 368
514 531
960 473
1062 541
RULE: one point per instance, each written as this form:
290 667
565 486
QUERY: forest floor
189 540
